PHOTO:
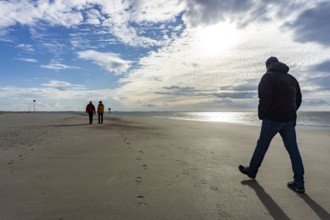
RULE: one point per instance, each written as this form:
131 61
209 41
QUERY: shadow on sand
275 210
71 125
321 212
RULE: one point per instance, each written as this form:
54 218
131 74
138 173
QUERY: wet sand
57 166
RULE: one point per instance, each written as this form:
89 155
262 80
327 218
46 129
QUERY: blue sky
140 55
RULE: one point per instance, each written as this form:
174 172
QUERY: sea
313 119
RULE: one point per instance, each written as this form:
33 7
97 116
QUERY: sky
164 55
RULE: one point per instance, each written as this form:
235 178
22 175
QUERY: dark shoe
299 189
247 171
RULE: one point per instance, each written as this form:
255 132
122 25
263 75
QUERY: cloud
182 91
58 66
155 11
245 86
4 36
212 11
56 83
240 12
229 93
109 61
235 95
29 13
94 17
62 86
26 47
322 67
150 106
320 82
126 21
319 78
13 12
313 25
28 60
316 102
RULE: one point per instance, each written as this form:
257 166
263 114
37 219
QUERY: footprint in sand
138 158
145 167
203 181
138 179
214 188
125 140
221 212
185 172
140 201
141 152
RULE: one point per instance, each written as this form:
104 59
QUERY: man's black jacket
279 94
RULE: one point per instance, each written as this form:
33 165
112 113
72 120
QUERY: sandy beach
57 166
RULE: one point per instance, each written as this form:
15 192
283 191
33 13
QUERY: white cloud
17 12
63 86
29 60
61 13
109 61
155 11
26 47
117 17
94 17
56 83
58 66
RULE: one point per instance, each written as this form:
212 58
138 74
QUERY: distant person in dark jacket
100 111
279 99
90 109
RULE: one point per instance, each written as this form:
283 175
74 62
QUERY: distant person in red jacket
90 109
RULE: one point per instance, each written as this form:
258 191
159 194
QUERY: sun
215 40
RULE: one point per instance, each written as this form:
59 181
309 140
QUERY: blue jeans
288 133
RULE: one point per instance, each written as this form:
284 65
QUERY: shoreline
57 166
155 114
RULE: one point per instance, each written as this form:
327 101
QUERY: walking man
90 109
100 111
279 99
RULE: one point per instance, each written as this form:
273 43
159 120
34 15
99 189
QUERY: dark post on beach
34 106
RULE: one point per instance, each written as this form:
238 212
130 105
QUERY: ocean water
315 119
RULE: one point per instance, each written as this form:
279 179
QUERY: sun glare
215 40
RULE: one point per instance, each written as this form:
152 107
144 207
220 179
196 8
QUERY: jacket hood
278 67
271 60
